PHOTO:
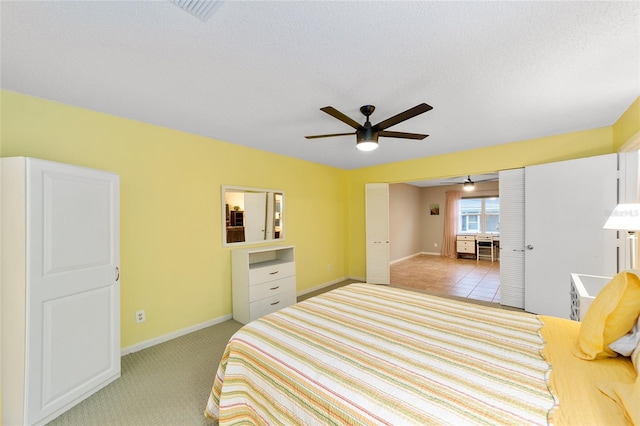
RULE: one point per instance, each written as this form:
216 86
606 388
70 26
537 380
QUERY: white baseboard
430 253
327 284
404 258
165 338
321 286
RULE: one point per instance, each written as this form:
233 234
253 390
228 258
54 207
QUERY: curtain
450 224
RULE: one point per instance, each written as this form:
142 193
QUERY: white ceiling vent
201 9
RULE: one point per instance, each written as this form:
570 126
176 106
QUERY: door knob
529 247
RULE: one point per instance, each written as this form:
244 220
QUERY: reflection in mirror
251 215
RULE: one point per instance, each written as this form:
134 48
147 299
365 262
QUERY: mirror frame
234 188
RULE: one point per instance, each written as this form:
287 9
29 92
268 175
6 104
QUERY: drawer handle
275 288
275 303
273 273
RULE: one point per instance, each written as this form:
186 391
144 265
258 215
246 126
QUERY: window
479 215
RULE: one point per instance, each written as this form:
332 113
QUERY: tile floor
455 277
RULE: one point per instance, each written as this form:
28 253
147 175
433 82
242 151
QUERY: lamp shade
625 217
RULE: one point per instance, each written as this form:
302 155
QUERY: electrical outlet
329 268
435 245
140 316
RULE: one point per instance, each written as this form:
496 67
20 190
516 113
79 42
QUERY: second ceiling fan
468 184
367 134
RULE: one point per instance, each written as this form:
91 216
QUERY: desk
466 245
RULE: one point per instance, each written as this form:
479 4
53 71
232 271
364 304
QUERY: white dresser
263 280
584 288
466 245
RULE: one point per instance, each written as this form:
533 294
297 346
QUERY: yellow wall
627 125
172 260
587 143
482 160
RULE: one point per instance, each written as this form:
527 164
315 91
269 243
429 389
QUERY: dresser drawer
467 238
272 288
466 246
271 272
271 304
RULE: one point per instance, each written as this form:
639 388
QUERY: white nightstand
584 289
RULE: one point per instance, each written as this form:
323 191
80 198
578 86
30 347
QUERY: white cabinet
263 281
60 292
466 245
584 288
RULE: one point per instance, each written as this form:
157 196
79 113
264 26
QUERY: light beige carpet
167 384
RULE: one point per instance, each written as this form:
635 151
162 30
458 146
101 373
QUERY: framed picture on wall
435 209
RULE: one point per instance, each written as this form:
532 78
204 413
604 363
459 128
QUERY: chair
485 247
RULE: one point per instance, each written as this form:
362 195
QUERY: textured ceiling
257 72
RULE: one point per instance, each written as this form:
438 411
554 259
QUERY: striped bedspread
366 354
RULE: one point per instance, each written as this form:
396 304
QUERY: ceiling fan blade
410 113
340 116
329 136
403 135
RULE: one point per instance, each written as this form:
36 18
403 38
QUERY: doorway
416 227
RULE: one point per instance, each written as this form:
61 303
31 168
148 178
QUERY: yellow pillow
611 315
627 396
635 358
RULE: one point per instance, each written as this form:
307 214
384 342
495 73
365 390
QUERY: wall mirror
251 215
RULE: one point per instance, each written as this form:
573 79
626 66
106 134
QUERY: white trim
431 253
165 338
327 284
404 258
321 286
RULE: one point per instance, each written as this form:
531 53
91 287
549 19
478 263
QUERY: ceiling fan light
468 186
367 145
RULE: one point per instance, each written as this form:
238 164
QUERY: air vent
201 9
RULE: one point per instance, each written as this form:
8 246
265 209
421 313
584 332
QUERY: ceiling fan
367 134
468 184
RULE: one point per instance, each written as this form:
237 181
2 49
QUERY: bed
366 354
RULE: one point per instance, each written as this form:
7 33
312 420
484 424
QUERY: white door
255 215
567 204
73 231
377 229
512 237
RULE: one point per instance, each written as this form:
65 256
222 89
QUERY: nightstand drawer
271 272
272 288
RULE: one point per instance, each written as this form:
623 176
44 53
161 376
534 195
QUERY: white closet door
512 237
377 229
73 255
567 204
